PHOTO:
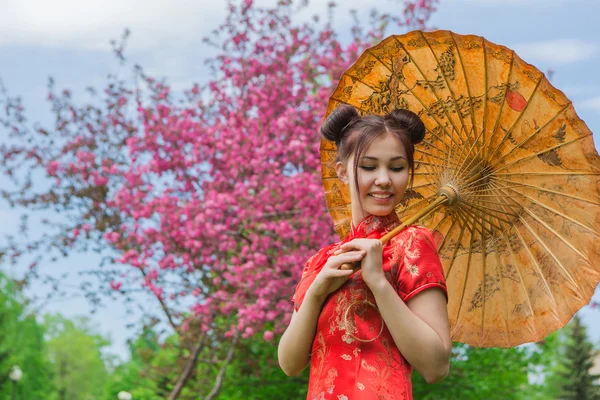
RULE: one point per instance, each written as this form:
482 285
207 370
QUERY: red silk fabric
342 367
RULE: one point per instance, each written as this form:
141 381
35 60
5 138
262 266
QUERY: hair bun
334 128
409 122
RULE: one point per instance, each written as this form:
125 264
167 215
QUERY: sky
69 40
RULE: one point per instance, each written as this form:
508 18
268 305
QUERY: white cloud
592 103
90 24
561 51
510 2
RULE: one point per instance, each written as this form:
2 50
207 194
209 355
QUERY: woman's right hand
331 277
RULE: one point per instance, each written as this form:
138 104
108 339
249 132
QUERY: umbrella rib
447 233
475 213
482 133
478 218
418 203
462 67
418 150
486 147
462 231
436 147
516 264
433 172
449 88
504 296
552 210
535 263
345 102
509 131
485 93
528 138
550 191
483 285
491 189
513 210
433 91
545 246
437 167
558 235
557 173
464 288
482 210
541 152
422 104
420 186
477 200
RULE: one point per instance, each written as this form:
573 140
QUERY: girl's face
382 178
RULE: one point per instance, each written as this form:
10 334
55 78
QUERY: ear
342 172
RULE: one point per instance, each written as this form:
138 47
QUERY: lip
384 200
382 193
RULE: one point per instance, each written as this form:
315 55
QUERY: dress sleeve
310 271
420 267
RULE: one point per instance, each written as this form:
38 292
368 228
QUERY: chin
380 212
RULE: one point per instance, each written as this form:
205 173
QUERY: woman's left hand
371 263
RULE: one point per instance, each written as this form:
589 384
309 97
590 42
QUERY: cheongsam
353 354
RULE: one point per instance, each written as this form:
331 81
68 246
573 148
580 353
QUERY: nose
383 178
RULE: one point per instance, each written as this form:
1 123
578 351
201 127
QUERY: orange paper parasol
507 178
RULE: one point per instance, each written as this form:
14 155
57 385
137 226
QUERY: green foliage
577 382
493 373
22 344
255 375
74 349
147 374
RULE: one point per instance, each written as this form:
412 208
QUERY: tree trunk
219 381
187 371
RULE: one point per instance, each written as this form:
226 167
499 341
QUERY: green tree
74 349
136 375
577 382
22 344
492 373
255 374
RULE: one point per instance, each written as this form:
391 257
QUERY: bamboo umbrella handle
442 198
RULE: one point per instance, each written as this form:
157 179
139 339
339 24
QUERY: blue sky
68 39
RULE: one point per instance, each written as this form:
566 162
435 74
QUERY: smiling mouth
380 196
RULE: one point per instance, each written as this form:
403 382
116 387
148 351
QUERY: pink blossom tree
212 199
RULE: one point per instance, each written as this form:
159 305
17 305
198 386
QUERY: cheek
403 181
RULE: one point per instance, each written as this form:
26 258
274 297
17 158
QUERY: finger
354 244
342 251
341 273
349 257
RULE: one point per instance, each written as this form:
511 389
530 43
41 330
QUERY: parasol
507 178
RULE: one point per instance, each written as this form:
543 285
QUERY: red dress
353 355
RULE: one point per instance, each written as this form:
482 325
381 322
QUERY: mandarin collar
374 223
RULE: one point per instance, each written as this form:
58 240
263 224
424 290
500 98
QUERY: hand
331 277
371 263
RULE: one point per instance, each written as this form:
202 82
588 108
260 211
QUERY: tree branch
187 371
219 381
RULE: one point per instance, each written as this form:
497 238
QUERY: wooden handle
353 266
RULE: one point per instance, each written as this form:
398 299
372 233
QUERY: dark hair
353 134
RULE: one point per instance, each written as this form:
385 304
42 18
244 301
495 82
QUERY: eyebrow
376 159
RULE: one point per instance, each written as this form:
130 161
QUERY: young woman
363 331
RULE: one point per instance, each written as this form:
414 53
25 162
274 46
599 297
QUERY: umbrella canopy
507 178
